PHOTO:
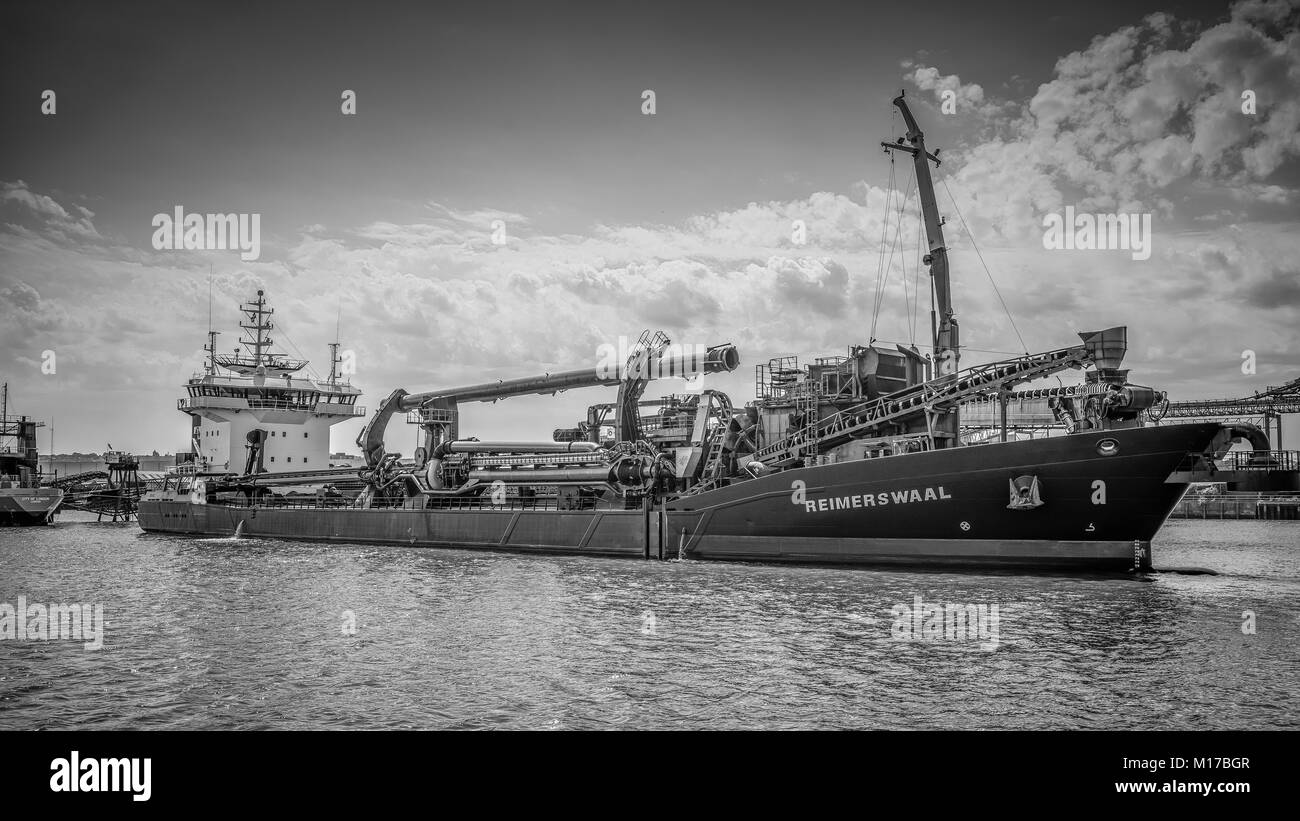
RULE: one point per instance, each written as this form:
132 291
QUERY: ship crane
930 411
947 343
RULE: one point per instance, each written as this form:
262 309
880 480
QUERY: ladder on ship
713 472
807 405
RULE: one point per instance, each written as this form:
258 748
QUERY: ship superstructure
253 411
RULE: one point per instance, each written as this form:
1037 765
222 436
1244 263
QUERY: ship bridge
215 392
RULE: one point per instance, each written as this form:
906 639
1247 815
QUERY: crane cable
880 259
882 279
987 272
916 284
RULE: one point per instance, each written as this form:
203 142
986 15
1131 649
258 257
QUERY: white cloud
968 98
1137 119
55 218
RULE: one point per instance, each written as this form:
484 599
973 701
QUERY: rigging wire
315 376
883 281
879 291
880 259
916 283
907 300
902 261
987 272
898 239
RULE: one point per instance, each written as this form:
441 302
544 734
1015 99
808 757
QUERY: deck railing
238 403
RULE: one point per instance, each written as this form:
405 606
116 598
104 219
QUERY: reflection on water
223 633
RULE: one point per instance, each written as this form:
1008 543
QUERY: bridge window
304 434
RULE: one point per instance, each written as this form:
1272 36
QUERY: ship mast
334 362
212 335
259 317
211 348
947 346
334 346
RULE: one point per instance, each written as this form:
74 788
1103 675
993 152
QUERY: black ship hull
25 507
940 508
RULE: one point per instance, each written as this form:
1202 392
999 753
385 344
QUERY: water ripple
249 634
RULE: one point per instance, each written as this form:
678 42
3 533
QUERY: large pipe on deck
569 475
468 446
626 472
676 364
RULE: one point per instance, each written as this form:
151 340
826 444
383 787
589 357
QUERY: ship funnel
1107 348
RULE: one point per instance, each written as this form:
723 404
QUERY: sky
473 118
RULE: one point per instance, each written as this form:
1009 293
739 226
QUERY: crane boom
947 343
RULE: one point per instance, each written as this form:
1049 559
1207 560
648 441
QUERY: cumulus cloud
1140 116
967 98
49 213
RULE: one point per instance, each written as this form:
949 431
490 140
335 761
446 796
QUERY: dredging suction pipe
674 362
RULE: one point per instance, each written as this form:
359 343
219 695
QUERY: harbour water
258 634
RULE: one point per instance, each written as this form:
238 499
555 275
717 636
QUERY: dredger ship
856 459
